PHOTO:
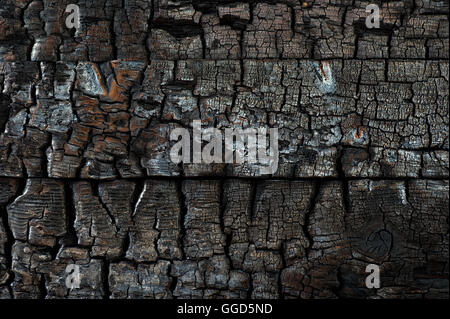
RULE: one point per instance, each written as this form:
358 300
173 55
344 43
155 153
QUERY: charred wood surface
86 177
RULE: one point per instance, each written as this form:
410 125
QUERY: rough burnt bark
86 177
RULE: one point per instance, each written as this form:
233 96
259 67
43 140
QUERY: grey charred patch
86 176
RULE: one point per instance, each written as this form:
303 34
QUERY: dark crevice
178 29
314 198
339 277
105 279
5 102
7 246
42 287
183 213
173 282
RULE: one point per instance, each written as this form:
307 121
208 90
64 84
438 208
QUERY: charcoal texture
86 176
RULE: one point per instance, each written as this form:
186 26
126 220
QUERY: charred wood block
95 204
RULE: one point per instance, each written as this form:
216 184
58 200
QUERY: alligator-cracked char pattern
86 178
